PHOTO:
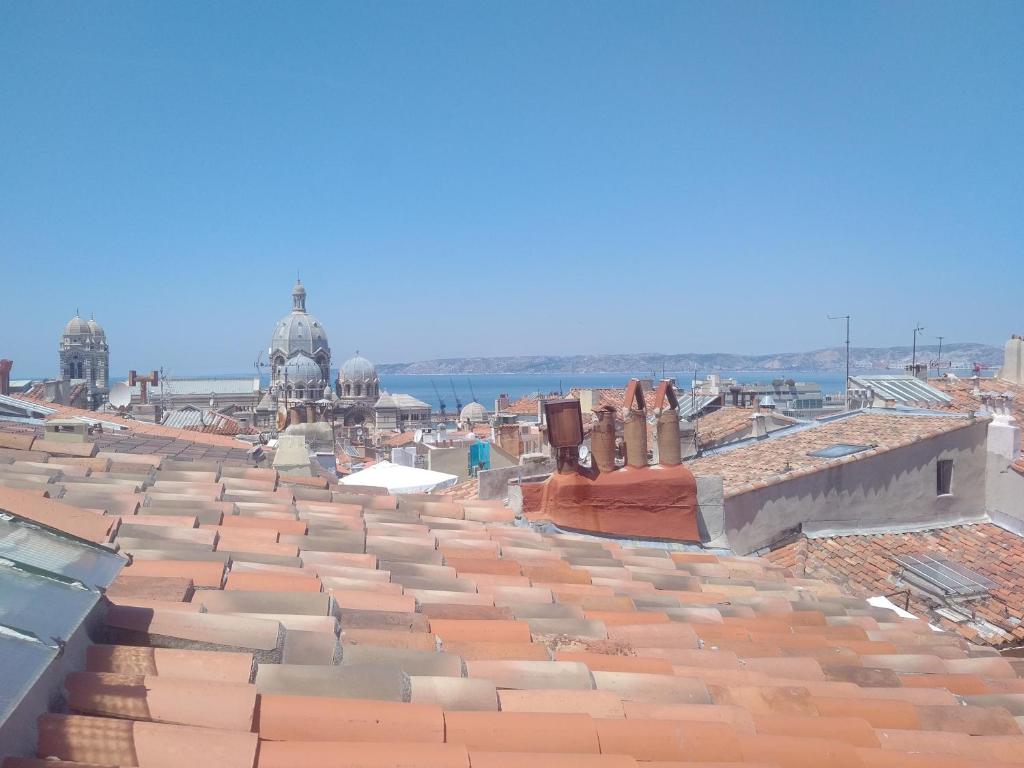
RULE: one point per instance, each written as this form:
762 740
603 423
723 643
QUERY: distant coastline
961 356
958 357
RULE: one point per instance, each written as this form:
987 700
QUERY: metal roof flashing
51 589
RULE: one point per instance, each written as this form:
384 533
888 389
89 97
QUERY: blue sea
486 388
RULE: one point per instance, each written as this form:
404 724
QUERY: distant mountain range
961 356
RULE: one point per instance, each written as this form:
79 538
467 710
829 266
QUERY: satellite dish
120 395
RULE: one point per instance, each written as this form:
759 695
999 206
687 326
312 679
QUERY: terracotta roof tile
866 565
773 459
469 633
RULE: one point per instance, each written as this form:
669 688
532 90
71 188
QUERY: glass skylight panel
838 450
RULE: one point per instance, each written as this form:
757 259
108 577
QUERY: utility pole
913 361
846 382
938 361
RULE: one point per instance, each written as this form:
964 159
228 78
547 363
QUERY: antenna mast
846 382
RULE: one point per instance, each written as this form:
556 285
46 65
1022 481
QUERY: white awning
399 479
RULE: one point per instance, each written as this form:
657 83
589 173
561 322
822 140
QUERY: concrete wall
494 482
1004 486
886 492
454 460
1004 494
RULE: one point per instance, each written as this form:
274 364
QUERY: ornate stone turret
85 358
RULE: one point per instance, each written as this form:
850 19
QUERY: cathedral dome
358 369
96 329
473 413
299 331
77 327
302 369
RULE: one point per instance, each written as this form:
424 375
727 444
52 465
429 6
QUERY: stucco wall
1004 493
494 482
886 491
454 460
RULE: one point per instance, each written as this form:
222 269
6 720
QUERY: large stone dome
76 326
297 333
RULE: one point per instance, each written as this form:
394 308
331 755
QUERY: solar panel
949 577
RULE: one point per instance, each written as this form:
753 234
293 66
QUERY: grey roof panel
44 607
32 547
23 662
902 389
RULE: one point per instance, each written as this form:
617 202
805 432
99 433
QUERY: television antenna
913 360
846 383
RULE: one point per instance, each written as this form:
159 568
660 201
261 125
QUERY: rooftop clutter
267 620
657 501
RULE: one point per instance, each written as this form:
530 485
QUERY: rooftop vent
942 576
838 450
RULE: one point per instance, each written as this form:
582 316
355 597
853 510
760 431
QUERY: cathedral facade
301 390
84 360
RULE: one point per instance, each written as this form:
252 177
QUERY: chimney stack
602 439
1013 361
669 448
5 376
634 427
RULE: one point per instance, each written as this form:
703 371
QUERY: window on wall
944 477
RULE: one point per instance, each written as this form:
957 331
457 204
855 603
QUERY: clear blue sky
482 178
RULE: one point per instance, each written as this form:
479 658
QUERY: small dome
473 413
96 329
301 370
77 327
358 369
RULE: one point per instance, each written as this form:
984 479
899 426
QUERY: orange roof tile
524 406
866 565
579 651
143 427
966 394
771 460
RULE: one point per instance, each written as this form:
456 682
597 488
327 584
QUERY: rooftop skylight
838 450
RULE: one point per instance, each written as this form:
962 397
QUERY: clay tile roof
466 490
82 523
524 406
145 428
428 630
717 425
772 459
403 438
966 401
867 566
